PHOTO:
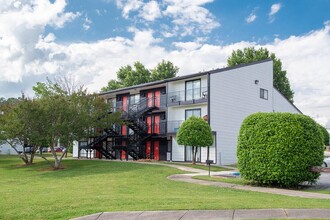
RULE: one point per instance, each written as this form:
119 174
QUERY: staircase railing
132 117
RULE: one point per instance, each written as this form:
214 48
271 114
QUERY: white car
326 162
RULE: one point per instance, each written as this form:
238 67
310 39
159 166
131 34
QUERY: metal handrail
181 95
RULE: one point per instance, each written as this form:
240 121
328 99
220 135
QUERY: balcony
173 126
159 102
187 97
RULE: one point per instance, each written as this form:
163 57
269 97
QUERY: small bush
279 149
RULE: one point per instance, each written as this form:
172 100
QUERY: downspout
208 110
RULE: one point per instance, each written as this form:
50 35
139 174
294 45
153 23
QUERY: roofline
288 100
186 76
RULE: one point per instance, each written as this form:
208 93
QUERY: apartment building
153 113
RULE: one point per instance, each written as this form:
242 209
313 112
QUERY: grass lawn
86 186
238 181
199 166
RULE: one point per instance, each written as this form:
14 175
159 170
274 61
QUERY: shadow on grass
79 168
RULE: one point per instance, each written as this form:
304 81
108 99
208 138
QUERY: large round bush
279 149
325 135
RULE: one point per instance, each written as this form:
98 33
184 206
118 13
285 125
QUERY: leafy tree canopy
195 132
57 113
138 74
68 117
250 54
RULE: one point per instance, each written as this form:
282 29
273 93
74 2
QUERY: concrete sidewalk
214 214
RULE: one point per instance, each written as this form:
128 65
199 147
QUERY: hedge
325 135
279 149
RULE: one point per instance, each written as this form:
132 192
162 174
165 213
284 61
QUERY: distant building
154 111
6 149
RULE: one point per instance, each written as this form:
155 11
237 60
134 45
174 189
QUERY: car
42 149
56 149
326 162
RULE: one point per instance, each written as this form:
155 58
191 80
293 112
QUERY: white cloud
187 45
274 9
190 17
187 17
87 23
129 6
251 18
22 23
150 11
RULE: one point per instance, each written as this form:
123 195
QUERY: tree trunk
22 155
193 155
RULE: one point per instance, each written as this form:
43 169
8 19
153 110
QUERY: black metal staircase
135 140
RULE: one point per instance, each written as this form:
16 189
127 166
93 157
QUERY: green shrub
325 134
279 149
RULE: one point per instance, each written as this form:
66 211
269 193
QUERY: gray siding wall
233 96
281 104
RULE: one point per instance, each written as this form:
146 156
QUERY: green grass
87 186
323 191
198 166
238 181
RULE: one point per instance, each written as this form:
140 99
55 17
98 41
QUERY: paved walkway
214 214
227 214
325 183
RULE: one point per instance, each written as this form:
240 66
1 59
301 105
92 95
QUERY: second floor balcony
188 96
173 126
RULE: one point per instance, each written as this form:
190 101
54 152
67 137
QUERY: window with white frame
134 99
193 89
193 112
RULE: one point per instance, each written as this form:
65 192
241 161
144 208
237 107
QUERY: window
193 112
193 89
134 99
264 94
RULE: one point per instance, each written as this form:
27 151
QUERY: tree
195 132
138 74
18 126
164 70
52 116
250 54
68 117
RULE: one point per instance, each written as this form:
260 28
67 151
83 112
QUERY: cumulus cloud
150 11
129 6
187 17
22 23
190 16
274 9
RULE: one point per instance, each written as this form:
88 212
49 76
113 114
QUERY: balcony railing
173 126
187 96
159 102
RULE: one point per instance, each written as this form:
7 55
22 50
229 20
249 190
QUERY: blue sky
89 40
104 19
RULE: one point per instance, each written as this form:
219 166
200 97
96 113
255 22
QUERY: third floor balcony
188 96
